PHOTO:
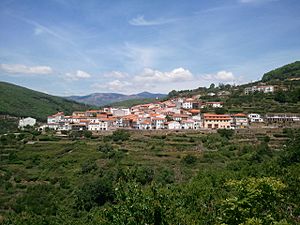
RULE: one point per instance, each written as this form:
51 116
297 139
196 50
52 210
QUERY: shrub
105 147
189 159
144 175
120 135
38 199
88 166
94 193
165 176
227 133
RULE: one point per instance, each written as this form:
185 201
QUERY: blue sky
79 47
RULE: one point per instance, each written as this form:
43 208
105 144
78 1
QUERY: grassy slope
19 101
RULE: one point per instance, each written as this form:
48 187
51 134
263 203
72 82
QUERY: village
179 113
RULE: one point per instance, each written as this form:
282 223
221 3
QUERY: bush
120 135
87 134
38 199
94 193
189 159
105 147
144 175
88 166
165 176
225 133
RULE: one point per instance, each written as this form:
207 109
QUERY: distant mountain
22 102
101 99
288 71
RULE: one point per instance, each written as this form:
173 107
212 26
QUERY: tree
280 97
120 135
220 110
212 86
257 199
172 94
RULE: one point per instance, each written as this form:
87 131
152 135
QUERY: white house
145 125
188 103
158 123
187 124
212 104
27 122
255 118
120 112
173 125
264 89
240 120
55 118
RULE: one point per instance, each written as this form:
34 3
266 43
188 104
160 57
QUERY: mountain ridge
102 99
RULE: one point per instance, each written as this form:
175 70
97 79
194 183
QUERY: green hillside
19 101
285 72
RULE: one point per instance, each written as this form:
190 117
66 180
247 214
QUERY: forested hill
289 71
21 102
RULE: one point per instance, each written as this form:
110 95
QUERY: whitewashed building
29 121
255 118
264 88
158 123
187 124
173 125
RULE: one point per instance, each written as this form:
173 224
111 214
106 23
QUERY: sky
65 48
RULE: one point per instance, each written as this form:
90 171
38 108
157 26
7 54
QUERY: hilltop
22 102
289 71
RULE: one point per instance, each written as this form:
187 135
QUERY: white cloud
115 85
79 74
141 21
115 74
220 76
22 69
176 75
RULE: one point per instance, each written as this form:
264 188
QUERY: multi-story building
239 120
216 121
263 88
282 117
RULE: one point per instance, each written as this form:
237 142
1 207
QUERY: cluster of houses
264 89
174 114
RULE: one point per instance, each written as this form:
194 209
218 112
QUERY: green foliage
165 176
220 110
83 186
8 124
39 199
105 147
120 135
14 100
88 166
143 175
189 159
87 134
173 94
253 199
94 193
285 72
227 133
